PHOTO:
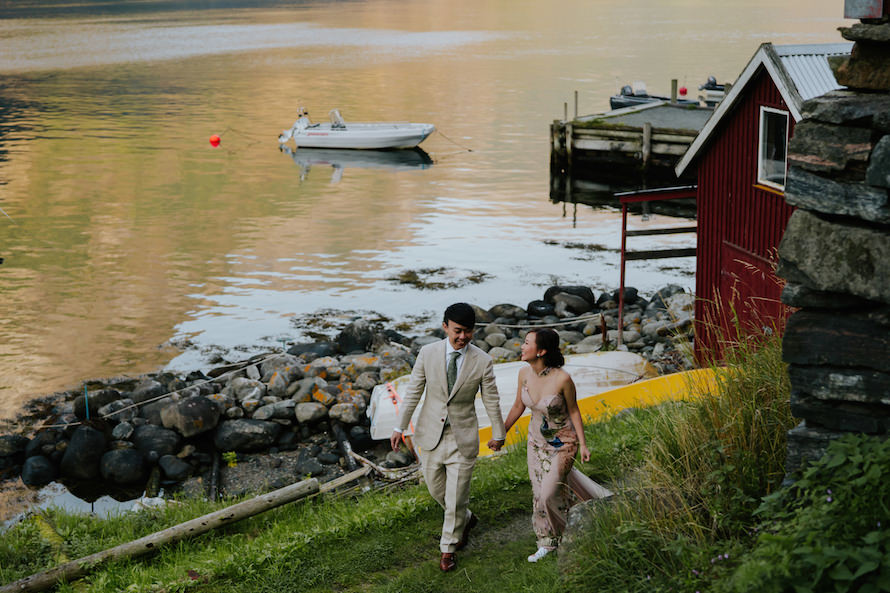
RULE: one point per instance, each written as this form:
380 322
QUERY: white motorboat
364 136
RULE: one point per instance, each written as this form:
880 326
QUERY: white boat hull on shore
593 373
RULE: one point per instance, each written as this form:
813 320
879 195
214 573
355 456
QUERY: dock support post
565 111
576 104
569 149
673 90
647 144
621 282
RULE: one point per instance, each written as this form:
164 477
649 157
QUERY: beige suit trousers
447 474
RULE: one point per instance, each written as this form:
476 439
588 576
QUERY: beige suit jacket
476 374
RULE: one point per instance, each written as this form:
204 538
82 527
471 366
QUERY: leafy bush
828 531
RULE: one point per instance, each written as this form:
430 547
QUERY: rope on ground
572 321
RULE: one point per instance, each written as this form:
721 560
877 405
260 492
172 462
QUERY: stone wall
835 254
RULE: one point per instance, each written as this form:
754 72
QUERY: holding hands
495 445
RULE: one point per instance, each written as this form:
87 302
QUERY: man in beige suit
452 371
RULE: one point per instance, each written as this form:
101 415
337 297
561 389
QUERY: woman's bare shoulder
523 373
564 378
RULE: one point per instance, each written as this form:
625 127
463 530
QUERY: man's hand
495 445
395 440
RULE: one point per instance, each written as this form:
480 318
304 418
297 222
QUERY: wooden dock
631 147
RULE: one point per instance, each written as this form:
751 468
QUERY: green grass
381 541
689 515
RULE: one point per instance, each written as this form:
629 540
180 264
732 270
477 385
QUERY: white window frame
761 177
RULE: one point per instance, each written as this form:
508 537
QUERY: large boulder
191 416
275 364
658 302
540 309
310 412
152 411
247 389
509 311
346 413
283 410
155 442
308 465
360 437
303 389
38 471
123 466
583 292
174 468
245 435
836 257
43 442
81 458
97 399
358 336
280 375
12 445
119 410
568 305
310 350
147 389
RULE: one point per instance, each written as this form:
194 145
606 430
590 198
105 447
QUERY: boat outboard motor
711 85
301 124
626 91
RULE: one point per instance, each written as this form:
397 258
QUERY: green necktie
451 374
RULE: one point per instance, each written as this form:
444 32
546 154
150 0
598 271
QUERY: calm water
131 244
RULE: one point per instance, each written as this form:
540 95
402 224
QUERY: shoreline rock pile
123 433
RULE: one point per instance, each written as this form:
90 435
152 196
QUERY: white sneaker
539 554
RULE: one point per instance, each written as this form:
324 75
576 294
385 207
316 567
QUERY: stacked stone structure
835 254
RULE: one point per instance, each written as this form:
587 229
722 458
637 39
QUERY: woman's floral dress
552 444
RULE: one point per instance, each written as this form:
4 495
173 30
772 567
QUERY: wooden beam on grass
77 568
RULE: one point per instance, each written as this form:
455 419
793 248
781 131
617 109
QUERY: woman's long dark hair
547 339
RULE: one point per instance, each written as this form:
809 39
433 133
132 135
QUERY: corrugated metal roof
807 65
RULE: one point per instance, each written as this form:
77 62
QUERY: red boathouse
740 156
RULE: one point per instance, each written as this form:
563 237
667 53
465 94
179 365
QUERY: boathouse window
772 148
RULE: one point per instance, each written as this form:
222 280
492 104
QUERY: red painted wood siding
739 225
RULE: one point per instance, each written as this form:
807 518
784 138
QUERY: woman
555 434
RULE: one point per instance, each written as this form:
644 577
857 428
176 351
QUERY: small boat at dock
636 94
354 135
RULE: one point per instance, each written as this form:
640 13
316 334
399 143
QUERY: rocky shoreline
278 417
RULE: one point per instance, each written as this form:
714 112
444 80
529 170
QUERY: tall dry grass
710 460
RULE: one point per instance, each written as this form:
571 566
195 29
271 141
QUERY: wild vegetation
700 507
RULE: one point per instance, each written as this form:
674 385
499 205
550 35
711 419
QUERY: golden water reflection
129 231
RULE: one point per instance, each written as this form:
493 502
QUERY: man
447 432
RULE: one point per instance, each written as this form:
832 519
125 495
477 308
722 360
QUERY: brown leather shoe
465 536
448 561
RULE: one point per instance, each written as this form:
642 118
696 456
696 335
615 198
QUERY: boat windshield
337 119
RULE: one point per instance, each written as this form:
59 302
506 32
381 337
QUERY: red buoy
682 91
214 141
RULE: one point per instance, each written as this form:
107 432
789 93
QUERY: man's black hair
460 313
